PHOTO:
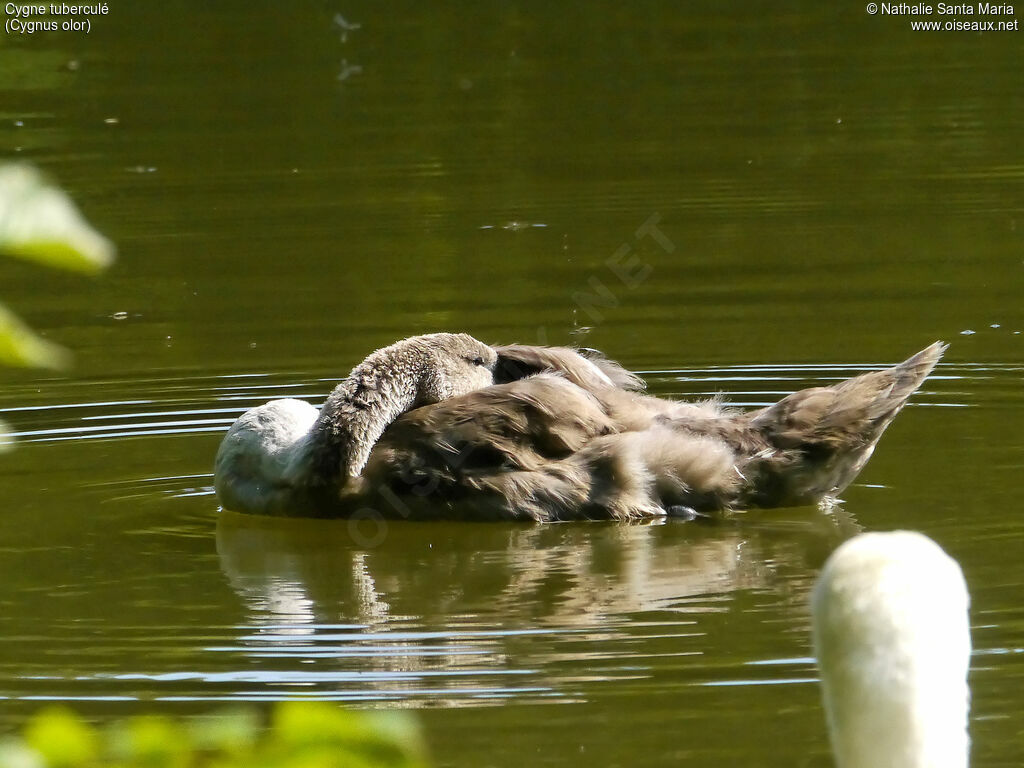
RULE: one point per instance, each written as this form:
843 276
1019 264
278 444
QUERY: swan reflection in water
459 601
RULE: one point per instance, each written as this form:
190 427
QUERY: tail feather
822 437
853 412
906 377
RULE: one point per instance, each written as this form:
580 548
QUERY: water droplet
967 332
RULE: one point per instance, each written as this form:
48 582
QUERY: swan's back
587 369
572 441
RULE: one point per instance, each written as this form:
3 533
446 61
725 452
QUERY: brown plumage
566 443
560 435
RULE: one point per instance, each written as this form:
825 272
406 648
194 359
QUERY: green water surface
746 198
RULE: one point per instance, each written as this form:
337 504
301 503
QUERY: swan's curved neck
356 413
893 644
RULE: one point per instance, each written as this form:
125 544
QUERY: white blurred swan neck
892 639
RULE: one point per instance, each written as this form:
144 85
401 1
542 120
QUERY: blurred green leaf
149 740
20 346
39 222
371 739
62 738
302 735
231 731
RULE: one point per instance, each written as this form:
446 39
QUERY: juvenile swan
893 645
444 426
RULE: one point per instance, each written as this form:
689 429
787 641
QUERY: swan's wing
518 425
590 370
545 449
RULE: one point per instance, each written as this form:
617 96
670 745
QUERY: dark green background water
830 190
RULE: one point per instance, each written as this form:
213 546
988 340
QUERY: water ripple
182 406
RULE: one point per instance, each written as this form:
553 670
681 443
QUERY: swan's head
456 364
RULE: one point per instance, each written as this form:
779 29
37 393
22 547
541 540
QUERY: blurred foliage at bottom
300 733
